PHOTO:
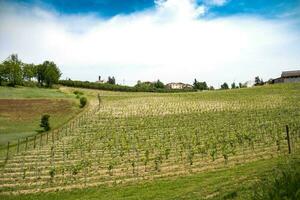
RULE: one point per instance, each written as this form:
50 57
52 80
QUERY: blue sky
173 40
110 8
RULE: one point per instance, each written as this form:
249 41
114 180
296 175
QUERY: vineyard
131 137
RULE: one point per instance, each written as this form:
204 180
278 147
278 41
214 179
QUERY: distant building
99 80
178 86
288 77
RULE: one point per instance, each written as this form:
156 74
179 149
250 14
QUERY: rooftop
287 74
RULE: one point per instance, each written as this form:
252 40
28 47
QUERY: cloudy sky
170 40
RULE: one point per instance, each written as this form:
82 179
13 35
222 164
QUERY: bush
83 101
121 88
45 122
284 183
77 92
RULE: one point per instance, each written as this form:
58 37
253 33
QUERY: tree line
14 72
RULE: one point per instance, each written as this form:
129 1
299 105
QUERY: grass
21 110
202 145
229 183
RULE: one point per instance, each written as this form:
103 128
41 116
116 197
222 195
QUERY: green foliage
14 72
233 85
258 81
45 122
83 101
200 85
111 80
224 86
158 84
52 172
51 73
29 71
140 87
284 183
11 70
241 85
78 93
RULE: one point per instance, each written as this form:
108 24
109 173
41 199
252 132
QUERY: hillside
145 137
21 110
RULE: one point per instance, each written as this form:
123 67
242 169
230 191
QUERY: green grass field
204 145
238 182
21 109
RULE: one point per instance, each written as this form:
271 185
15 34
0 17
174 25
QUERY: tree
111 80
83 101
45 122
40 73
224 86
47 73
51 73
211 88
12 70
159 84
233 86
241 85
29 71
258 81
200 85
3 73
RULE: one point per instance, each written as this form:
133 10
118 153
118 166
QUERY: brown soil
26 109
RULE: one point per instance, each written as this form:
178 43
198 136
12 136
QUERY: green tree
111 80
224 86
200 85
29 71
241 85
40 73
13 70
45 122
51 73
233 86
159 84
258 81
83 101
3 73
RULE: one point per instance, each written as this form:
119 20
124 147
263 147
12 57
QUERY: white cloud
170 42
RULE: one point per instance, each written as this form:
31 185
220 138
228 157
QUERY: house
288 77
99 80
178 86
291 76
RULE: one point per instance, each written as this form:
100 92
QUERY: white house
178 86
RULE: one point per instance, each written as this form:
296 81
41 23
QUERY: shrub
83 101
284 183
76 92
45 122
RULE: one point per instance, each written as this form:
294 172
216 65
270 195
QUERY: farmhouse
288 77
100 80
178 86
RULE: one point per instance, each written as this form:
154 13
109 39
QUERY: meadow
21 110
132 139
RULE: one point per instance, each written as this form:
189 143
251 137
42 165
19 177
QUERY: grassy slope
230 183
235 182
21 109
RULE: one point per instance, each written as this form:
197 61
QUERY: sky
172 40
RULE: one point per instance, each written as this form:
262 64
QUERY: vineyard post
288 138
41 142
26 143
47 138
34 141
52 136
18 148
7 153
